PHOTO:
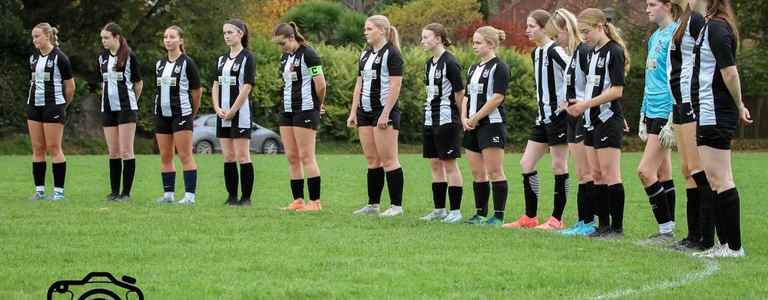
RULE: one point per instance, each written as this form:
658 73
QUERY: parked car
204 140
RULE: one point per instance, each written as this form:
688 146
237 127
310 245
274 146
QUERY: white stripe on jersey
38 80
495 115
707 69
225 88
474 89
431 93
58 87
185 101
365 99
593 80
686 49
384 79
165 89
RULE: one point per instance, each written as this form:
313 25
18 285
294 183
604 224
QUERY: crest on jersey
601 62
32 60
377 60
49 64
438 74
235 67
177 69
486 73
221 63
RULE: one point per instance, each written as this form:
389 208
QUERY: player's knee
293 158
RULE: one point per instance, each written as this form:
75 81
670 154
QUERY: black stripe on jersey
576 76
123 79
298 85
715 50
443 80
375 69
680 60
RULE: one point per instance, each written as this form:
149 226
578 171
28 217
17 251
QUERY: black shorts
442 142
554 133
47 113
576 130
718 137
683 113
589 136
306 119
654 125
232 132
371 118
609 134
114 118
486 136
171 125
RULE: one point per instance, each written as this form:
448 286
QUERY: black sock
580 201
313 184
499 198
692 214
115 171
669 189
658 199
531 192
169 181
589 202
246 179
707 209
190 181
602 202
297 188
482 192
375 185
59 174
230 178
732 220
617 206
561 195
454 196
395 183
129 171
38 173
438 194
723 235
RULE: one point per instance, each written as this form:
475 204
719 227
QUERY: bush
412 17
329 22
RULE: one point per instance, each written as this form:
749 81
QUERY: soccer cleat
727 252
493 221
523 222
37 196
552 223
453 217
244 202
112 197
708 252
392 211
586 229
165 199
687 245
187 200
435 214
297 204
123 198
613 234
231 201
476 220
370 209
311 206
57 196
569 231
600 232
658 239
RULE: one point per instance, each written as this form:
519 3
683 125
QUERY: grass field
213 252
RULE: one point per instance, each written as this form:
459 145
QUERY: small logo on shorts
561 135
690 113
182 122
56 116
242 130
449 151
604 139
496 139
307 121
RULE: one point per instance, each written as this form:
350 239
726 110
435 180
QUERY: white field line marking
711 266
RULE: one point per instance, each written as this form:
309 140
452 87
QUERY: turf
213 252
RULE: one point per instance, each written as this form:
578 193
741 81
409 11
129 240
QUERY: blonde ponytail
492 35
613 33
390 31
563 20
51 32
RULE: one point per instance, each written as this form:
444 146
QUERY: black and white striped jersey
375 68
680 60
443 80
606 69
46 86
715 50
484 80
175 81
576 76
232 73
549 64
297 70
117 92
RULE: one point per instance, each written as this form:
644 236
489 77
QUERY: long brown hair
439 31
390 31
682 24
289 30
180 32
563 20
722 9
124 50
593 17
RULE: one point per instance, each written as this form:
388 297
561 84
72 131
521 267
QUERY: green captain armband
316 70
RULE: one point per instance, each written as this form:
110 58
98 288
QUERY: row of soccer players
579 66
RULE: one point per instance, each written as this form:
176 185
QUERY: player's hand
352 120
466 125
383 121
744 115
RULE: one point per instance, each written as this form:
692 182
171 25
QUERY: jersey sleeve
501 79
722 44
215 74
313 62
395 63
559 56
616 66
193 74
454 75
99 76
584 58
135 68
250 70
65 68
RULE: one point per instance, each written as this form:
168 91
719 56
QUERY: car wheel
270 146
204 147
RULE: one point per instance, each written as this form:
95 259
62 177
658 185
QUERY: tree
412 17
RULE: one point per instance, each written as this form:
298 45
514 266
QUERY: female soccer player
551 128
720 108
679 68
602 110
564 26
303 96
376 114
176 104
51 88
121 89
442 130
655 165
482 116
231 102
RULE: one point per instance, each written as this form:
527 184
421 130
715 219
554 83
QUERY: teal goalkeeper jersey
657 98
